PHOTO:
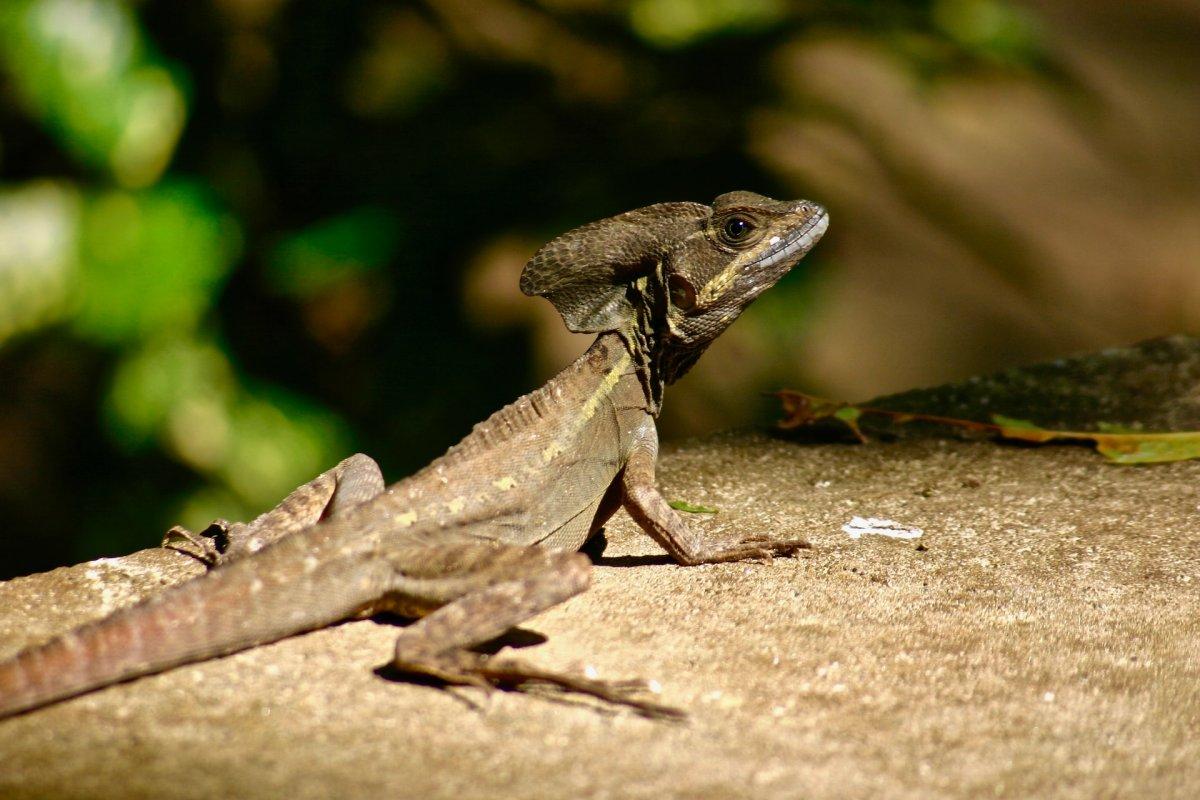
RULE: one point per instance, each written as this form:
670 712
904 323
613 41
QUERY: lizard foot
774 547
473 669
207 547
748 548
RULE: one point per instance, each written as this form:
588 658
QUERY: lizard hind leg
354 480
438 644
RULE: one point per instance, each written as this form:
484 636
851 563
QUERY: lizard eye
736 230
683 294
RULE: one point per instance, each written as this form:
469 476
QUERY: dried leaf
1119 444
1023 430
1148 448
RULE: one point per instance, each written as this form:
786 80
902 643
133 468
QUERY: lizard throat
657 364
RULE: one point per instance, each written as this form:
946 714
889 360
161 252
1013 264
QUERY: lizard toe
205 546
618 692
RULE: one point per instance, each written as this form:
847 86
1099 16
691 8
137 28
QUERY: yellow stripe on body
589 407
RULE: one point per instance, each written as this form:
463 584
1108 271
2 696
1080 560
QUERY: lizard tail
225 611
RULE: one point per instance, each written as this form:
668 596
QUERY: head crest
586 272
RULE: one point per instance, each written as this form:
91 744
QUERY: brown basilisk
484 537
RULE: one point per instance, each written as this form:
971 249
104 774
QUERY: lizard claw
206 546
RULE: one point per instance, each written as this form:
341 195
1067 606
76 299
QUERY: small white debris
1048 697
880 527
654 687
722 700
591 672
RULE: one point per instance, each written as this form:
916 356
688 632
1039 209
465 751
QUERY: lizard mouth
783 253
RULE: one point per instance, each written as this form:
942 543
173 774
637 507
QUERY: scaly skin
482 538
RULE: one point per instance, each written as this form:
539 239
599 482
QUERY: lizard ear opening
681 292
586 272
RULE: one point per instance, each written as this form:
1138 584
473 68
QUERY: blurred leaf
39 231
154 383
83 67
184 394
677 23
329 252
277 442
990 28
151 260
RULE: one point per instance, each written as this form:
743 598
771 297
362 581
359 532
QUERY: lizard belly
505 497
577 478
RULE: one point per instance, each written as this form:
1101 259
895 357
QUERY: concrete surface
1041 639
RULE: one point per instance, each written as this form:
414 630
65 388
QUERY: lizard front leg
354 480
648 508
515 584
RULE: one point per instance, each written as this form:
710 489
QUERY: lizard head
746 244
673 275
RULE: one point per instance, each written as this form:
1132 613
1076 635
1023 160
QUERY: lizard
487 535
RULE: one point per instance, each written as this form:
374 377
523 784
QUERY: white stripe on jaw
793 246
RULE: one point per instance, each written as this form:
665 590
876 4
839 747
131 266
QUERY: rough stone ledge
1042 638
